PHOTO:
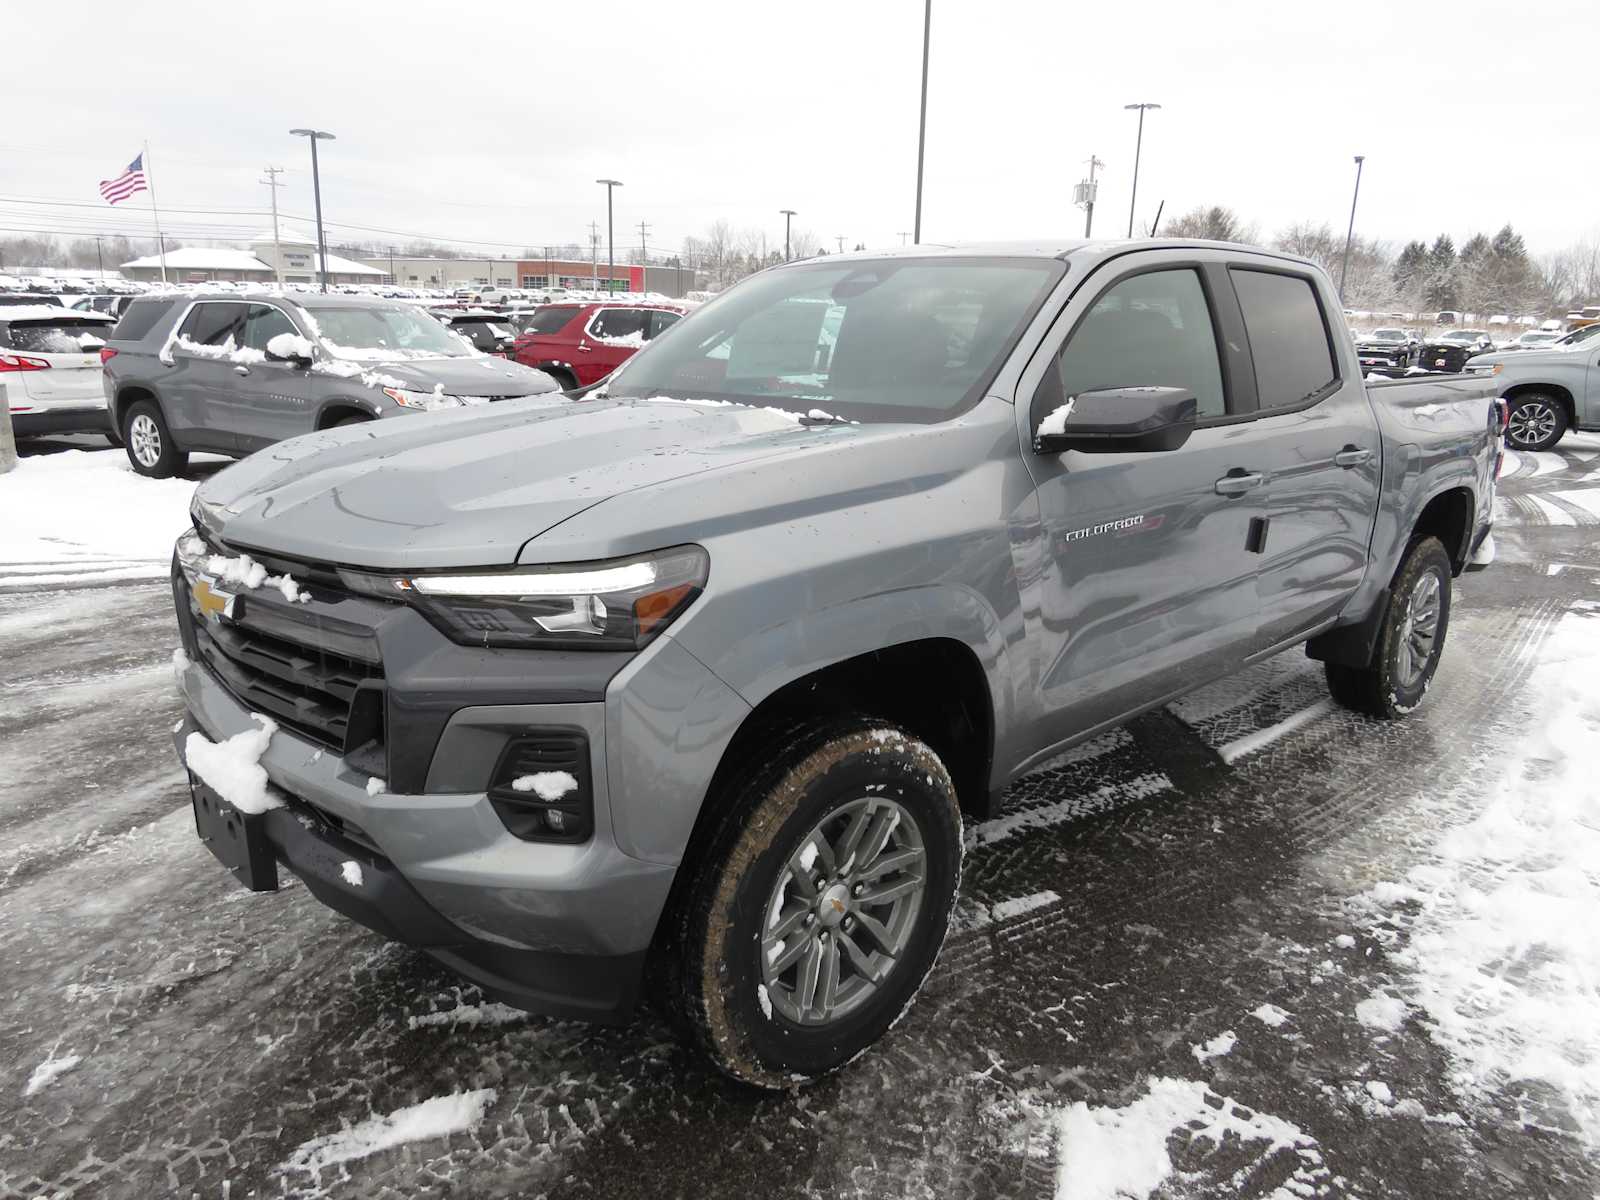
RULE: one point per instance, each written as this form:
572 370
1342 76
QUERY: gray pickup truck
682 687
230 374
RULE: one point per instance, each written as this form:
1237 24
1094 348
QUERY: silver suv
230 374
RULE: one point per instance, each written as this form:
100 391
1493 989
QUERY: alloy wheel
1531 422
144 439
1419 632
843 911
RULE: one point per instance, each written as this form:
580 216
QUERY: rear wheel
352 420
822 902
149 443
1537 421
1410 641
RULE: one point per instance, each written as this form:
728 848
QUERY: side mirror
1113 420
288 348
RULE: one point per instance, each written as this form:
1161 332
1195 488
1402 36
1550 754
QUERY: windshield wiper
817 417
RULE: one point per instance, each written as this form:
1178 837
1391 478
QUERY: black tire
1538 420
565 380
352 420
149 443
1394 685
815 778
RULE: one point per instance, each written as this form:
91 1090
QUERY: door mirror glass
1119 421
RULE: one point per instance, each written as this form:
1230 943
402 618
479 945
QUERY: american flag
129 183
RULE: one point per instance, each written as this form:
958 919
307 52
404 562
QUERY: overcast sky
490 122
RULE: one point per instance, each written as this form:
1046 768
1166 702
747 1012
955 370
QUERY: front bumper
553 928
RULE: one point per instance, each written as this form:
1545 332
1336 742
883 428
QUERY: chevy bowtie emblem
214 605
837 906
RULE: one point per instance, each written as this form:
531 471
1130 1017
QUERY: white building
295 252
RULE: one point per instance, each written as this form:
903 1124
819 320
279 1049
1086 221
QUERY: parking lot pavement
1168 933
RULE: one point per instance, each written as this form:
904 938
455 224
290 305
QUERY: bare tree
1213 223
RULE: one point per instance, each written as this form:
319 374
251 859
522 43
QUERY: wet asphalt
1136 898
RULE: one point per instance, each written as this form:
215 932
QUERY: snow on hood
470 487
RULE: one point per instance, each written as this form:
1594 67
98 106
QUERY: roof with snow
207 258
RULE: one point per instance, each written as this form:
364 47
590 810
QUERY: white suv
50 363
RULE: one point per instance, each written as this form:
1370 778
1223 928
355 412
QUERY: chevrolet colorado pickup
681 687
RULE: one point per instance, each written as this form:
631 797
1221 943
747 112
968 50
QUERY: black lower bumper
369 889
56 420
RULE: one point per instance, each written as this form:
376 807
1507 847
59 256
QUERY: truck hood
486 376
469 487
1531 358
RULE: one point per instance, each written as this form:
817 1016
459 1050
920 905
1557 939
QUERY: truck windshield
385 334
913 340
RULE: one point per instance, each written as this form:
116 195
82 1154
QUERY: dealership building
292 250
405 271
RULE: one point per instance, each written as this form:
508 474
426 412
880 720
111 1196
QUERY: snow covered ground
1248 946
84 516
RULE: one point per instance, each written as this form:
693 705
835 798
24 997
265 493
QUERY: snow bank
233 768
1121 1153
492 1013
547 785
83 516
1503 953
434 1118
49 1070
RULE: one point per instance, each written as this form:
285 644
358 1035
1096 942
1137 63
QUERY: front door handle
1352 456
241 370
1238 485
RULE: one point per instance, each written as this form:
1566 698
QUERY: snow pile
434 1118
242 571
350 872
49 1070
1504 953
346 369
1381 1012
1222 1044
233 768
1270 1015
547 785
492 1013
289 345
227 351
1121 1153
1055 422
84 516
633 340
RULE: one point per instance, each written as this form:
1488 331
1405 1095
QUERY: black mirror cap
298 360
1124 421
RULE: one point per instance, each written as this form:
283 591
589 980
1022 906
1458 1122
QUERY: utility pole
271 181
99 257
922 120
644 248
839 237
1085 194
904 234
611 234
1350 233
788 215
1138 147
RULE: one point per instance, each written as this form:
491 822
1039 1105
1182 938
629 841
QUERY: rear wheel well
334 413
1448 517
1554 391
563 376
126 399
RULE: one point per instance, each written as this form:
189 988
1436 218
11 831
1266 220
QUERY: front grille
1445 358
318 675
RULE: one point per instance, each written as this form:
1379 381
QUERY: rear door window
215 323
621 324
1288 336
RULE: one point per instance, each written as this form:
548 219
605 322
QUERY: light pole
788 215
922 121
611 240
316 187
1138 146
1350 233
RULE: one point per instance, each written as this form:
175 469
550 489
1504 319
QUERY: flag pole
150 182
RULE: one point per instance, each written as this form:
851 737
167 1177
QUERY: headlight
426 401
192 553
619 604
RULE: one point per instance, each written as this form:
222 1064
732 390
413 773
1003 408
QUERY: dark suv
230 374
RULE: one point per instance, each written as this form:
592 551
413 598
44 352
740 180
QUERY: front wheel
1410 641
822 902
1537 422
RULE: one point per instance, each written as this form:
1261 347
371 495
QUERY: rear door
199 392
1317 437
615 336
1148 581
275 398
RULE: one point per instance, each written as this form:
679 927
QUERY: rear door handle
1238 485
241 370
1352 456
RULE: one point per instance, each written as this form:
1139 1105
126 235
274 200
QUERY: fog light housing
542 788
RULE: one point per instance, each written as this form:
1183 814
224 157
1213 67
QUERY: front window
1388 335
485 335
263 323
891 340
384 334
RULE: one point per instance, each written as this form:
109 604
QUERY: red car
581 344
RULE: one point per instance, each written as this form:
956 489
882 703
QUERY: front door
1147 579
275 398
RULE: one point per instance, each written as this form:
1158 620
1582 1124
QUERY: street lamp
1137 147
788 215
1350 233
922 121
316 188
611 241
